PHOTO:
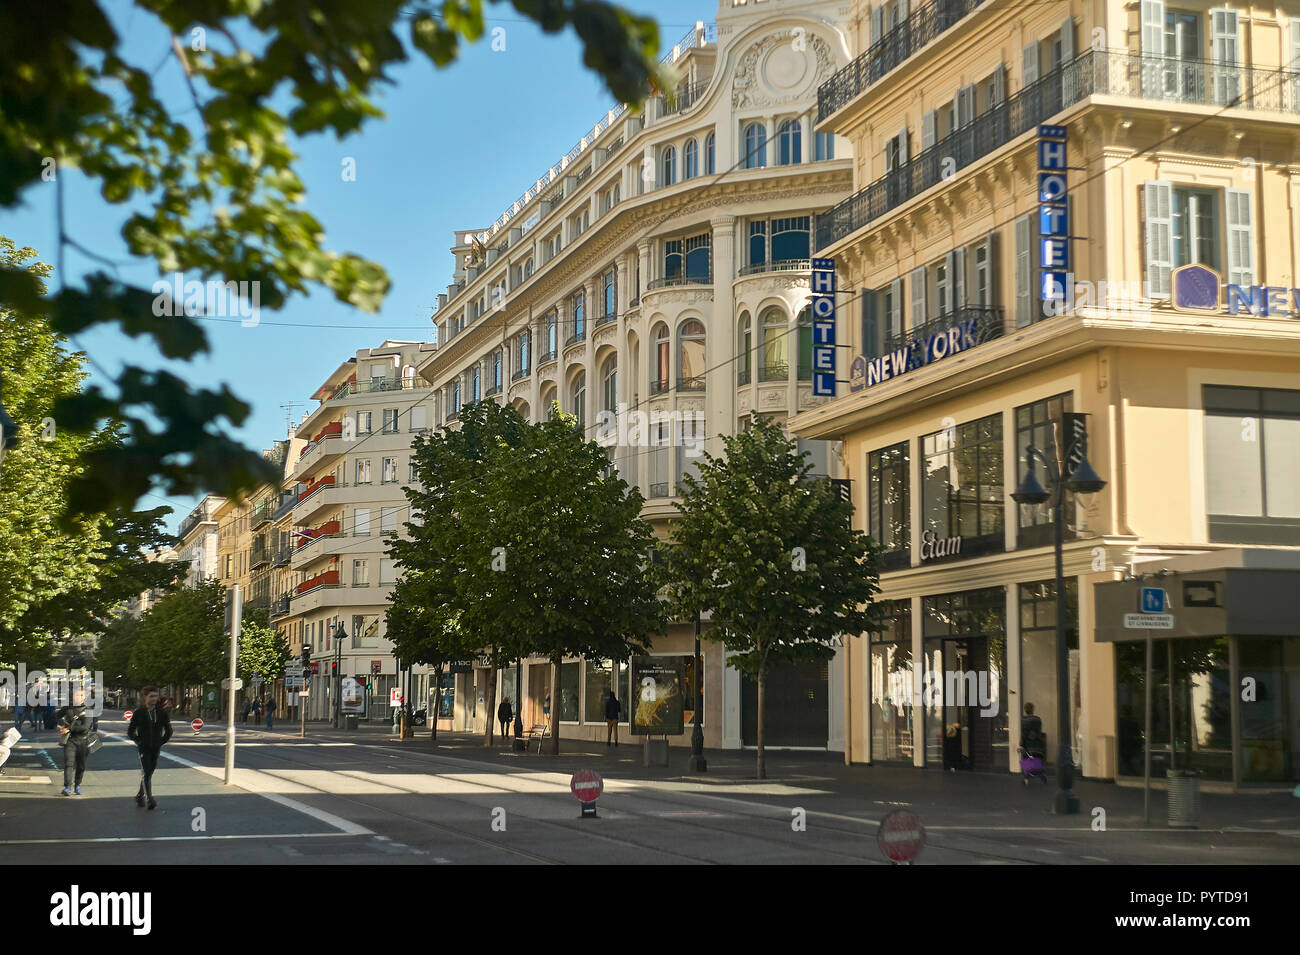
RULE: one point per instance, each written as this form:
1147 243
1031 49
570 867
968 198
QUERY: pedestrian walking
613 708
75 727
505 713
257 711
150 729
20 711
270 712
248 707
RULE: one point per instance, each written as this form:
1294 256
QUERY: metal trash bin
1184 798
350 721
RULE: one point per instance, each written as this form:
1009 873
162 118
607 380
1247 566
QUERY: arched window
744 353
408 376
496 372
528 268
825 146
455 397
550 334
775 355
477 390
668 165
755 140
579 395
789 143
609 384
548 401
805 344
690 355
659 384
579 316
709 166
690 159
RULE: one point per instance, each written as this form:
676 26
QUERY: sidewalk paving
974 799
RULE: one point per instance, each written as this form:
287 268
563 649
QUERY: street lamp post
1081 479
520 744
339 636
698 763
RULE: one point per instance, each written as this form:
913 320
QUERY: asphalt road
370 799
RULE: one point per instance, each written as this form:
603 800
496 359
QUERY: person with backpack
150 729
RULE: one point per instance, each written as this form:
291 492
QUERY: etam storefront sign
1198 288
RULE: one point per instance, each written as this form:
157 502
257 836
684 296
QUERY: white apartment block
198 540
348 495
661 269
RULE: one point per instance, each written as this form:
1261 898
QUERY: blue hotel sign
823 326
1198 288
1053 214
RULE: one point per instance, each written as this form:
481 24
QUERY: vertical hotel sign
823 326
1053 215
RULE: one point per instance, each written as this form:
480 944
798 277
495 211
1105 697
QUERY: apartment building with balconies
198 540
346 497
656 280
1073 227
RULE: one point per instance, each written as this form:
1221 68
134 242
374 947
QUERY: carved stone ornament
777 70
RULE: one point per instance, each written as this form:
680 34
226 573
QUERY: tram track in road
673 801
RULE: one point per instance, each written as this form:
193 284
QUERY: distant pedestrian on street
505 713
612 710
1031 733
35 715
20 711
270 712
75 726
150 729
248 708
257 711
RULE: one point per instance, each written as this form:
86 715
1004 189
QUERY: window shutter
999 85
895 316
1067 40
994 274
965 105
1293 63
1224 50
902 10
1158 215
1153 27
1029 64
877 23
870 342
957 277
361 521
1024 272
927 130
918 281
1241 242
902 147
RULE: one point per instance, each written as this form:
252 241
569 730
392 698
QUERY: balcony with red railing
313 534
314 486
329 578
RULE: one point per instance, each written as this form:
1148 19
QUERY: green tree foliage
212 184
767 553
113 656
263 651
524 545
181 642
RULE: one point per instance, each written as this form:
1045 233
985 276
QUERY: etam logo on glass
77 908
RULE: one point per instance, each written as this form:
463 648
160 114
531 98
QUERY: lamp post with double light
1076 475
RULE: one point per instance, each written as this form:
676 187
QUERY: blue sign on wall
1053 214
823 326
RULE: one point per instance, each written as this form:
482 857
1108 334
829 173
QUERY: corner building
661 268
1147 286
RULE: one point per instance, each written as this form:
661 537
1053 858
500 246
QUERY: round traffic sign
587 785
901 836
127 715
196 724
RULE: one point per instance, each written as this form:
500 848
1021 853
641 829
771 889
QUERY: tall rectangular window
363 471
1252 457
962 503
390 420
889 503
1041 424
388 474
360 576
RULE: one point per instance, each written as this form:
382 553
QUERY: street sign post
1148 621
587 785
237 683
901 836
1154 600
196 724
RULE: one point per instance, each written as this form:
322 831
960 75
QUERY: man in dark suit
150 729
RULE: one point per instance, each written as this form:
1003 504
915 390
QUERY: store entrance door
966 723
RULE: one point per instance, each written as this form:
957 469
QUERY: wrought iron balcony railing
781 265
519 374
691 384
1102 72
777 371
889 51
546 356
680 278
989 324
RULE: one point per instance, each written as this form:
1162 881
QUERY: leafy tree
113 655
181 642
212 183
524 546
768 554
421 636
263 651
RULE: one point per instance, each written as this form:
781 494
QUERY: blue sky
456 148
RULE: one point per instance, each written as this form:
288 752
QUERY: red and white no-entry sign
196 724
127 715
901 836
587 785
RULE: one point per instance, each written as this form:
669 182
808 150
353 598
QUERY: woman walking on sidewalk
150 729
75 726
